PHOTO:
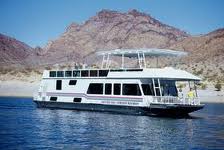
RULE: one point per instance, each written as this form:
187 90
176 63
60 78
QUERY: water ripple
23 126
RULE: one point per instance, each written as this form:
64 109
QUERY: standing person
191 95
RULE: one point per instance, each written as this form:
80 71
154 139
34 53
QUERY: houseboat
139 91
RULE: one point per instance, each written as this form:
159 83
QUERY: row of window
78 73
128 89
166 88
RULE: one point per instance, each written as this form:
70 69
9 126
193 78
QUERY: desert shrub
37 71
203 86
221 70
218 86
47 68
5 70
199 72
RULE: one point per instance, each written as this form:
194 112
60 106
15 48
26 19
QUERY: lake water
23 126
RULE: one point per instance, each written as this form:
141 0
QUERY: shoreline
10 96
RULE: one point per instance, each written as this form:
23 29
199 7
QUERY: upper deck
127 73
162 73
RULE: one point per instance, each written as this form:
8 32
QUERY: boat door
149 90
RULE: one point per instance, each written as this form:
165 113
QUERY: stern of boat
173 106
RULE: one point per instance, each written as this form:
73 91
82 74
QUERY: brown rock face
111 30
203 48
13 52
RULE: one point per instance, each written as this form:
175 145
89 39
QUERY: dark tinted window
53 98
72 82
68 73
168 88
131 89
52 73
117 89
95 88
108 88
93 73
148 89
156 82
60 73
76 73
84 73
157 92
134 70
77 100
103 73
117 70
58 84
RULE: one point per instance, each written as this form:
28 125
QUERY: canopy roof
147 52
161 73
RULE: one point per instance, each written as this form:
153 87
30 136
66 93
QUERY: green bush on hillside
218 86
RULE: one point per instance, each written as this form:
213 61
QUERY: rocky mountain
111 30
202 47
13 52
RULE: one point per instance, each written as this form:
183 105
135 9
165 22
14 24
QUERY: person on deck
191 95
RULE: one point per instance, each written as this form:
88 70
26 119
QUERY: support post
154 88
195 88
122 61
139 60
102 64
107 62
158 80
143 54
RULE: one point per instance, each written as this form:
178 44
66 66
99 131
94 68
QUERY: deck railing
175 100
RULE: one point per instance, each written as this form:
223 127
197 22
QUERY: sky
35 22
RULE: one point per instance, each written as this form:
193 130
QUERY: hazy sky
37 21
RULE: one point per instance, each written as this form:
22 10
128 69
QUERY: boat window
157 92
168 88
58 84
93 73
103 73
53 98
117 70
108 88
131 89
148 89
77 100
95 88
156 82
60 73
52 73
134 70
84 73
117 89
68 73
72 82
76 73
